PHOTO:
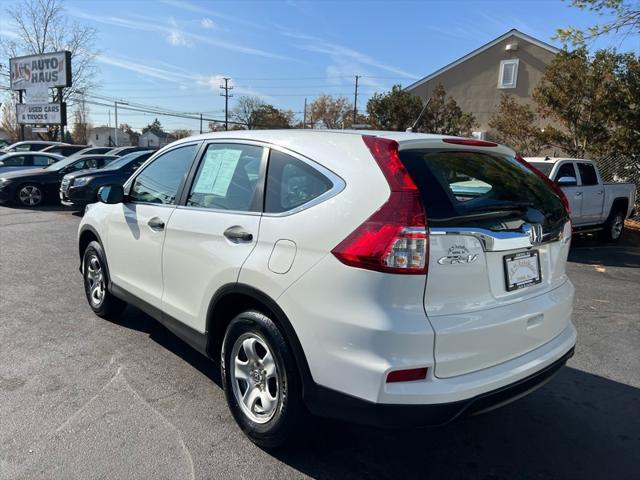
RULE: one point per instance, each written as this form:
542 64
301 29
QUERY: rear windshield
482 190
543 167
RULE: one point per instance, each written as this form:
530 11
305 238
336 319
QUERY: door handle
578 194
238 234
156 224
600 192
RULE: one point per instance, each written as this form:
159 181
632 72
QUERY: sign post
36 75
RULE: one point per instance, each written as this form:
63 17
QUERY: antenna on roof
424 109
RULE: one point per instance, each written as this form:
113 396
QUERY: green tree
330 112
515 125
393 110
444 116
399 109
267 116
581 96
154 127
624 18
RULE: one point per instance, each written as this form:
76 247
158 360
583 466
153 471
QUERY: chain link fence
618 168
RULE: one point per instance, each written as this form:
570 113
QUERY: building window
508 73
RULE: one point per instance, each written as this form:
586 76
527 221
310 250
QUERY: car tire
261 381
29 195
96 281
613 228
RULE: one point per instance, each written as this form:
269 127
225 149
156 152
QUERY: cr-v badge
458 254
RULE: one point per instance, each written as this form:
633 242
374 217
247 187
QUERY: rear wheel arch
232 299
619 204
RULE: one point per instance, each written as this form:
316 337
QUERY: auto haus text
45 70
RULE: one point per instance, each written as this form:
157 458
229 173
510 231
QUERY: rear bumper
333 404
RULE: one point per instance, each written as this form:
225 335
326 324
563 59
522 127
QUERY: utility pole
115 127
200 123
226 96
355 102
304 116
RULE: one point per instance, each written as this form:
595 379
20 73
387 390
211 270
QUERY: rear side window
160 180
588 174
227 178
478 189
41 161
292 183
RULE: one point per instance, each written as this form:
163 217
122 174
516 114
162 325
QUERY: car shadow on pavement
578 425
589 250
136 319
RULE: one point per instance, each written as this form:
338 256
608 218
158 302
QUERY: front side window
160 180
291 183
508 73
227 178
566 170
588 174
15 161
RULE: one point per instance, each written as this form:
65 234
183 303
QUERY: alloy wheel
254 377
617 226
95 280
30 195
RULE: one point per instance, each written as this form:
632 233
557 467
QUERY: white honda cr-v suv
387 278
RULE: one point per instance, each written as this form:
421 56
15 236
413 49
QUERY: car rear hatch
499 238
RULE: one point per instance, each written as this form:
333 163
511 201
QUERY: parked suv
394 279
80 188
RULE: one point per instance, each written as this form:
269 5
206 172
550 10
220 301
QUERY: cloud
144 24
177 38
174 74
207 23
341 54
190 7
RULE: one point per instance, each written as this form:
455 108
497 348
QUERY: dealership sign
37 73
42 113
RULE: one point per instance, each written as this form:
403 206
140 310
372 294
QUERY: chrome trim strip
490 241
218 210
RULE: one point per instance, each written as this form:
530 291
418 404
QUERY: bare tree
245 110
181 133
8 122
331 112
81 125
42 26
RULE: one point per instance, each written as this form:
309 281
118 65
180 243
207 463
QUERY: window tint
566 170
477 189
227 178
17 161
41 161
588 174
291 183
159 181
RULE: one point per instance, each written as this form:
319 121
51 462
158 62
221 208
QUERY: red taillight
558 191
394 239
410 375
470 142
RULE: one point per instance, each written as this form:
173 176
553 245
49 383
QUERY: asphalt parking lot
81 397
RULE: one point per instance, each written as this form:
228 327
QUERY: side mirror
111 194
567 182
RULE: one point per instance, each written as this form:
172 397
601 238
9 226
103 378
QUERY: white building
151 139
104 137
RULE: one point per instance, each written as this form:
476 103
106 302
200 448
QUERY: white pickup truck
595 205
